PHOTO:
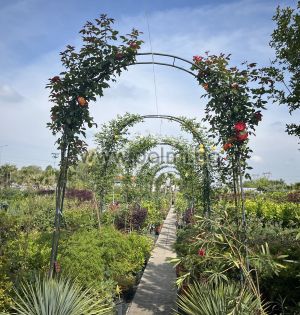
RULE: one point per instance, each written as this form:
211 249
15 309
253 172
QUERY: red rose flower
82 101
258 115
197 59
242 136
201 252
55 79
134 45
119 55
227 146
240 126
205 86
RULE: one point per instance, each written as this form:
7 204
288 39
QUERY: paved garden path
156 293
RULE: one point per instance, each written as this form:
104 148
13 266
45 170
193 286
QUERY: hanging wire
153 69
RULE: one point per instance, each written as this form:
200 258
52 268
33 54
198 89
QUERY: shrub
288 214
5 293
180 203
138 217
294 197
188 215
105 256
155 216
80 194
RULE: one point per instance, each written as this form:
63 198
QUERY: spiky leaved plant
223 299
57 297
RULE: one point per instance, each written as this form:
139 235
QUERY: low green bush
287 213
95 258
106 255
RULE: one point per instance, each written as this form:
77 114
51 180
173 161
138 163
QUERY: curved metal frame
177 119
60 208
165 64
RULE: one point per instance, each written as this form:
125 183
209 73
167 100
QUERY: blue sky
33 32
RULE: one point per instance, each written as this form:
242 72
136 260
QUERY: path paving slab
156 293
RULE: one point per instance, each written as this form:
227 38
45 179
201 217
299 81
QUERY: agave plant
57 297
224 299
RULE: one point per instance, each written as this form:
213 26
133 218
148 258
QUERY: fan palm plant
224 299
57 297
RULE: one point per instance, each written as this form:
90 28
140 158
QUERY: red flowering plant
235 100
211 253
201 252
88 71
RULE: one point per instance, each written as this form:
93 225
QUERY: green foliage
6 173
6 288
96 256
265 184
212 251
86 254
180 203
235 96
110 140
31 177
155 215
287 213
281 243
26 254
88 71
286 42
52 297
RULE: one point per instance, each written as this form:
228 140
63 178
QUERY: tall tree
6 173
286 42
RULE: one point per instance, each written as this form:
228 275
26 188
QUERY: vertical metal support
244 222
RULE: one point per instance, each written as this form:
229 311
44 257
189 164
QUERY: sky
33 32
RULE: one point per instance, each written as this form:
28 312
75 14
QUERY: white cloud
256 159
9 95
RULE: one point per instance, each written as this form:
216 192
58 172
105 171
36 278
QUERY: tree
6 172
286 42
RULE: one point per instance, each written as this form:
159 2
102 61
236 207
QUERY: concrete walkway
156 293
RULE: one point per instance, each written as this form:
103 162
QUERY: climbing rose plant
88 71
236 98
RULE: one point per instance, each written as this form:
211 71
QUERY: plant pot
158 229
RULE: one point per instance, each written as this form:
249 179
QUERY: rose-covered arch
233 110
188 160
113 137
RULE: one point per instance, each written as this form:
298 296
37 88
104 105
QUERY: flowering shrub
235 100
87 73
201 252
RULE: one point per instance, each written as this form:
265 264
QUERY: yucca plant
224 299
57 297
